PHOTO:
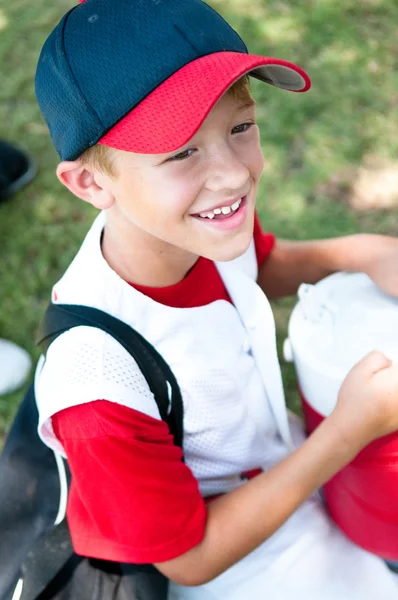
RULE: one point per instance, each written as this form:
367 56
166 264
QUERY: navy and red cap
142 75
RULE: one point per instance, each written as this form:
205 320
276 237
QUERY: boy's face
200 199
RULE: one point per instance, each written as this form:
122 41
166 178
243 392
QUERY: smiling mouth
222 213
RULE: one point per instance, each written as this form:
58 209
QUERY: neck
140 258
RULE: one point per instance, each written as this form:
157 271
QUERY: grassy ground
350 49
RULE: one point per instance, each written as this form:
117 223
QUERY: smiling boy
198 201
149 108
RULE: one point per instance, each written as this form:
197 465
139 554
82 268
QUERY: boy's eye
182 155
242 127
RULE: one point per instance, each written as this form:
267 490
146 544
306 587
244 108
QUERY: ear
84 184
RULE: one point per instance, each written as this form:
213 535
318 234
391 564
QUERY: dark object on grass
17 169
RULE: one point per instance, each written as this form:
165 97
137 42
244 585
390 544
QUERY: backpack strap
160 378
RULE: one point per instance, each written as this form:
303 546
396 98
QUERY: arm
129 482
240 521
292 263
132 499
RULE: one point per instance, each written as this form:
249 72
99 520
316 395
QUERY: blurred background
331 154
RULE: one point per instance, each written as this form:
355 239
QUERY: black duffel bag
37 561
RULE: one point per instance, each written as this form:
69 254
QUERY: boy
149 109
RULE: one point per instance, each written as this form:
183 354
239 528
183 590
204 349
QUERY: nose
227 171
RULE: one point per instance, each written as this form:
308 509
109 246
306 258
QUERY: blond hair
101 158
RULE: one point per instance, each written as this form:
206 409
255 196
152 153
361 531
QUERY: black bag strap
160 378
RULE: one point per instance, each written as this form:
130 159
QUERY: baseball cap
142 75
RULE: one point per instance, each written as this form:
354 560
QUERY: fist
367 406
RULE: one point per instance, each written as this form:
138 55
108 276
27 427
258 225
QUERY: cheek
251 155
177 194
131 185
257 165
256 160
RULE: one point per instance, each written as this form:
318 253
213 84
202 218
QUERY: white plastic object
15 365
336 323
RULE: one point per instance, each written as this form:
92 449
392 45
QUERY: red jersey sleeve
263 242
132 498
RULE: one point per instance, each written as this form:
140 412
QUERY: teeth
225 210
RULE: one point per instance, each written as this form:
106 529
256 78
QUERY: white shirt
235 417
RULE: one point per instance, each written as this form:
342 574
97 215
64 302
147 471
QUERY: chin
231 251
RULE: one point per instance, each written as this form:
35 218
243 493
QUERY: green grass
349 48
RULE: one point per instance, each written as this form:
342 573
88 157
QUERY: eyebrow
247 105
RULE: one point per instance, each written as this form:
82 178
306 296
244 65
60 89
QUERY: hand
382 264
367 407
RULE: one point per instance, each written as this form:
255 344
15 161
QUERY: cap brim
170 115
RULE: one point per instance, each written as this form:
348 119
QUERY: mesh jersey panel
93 365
